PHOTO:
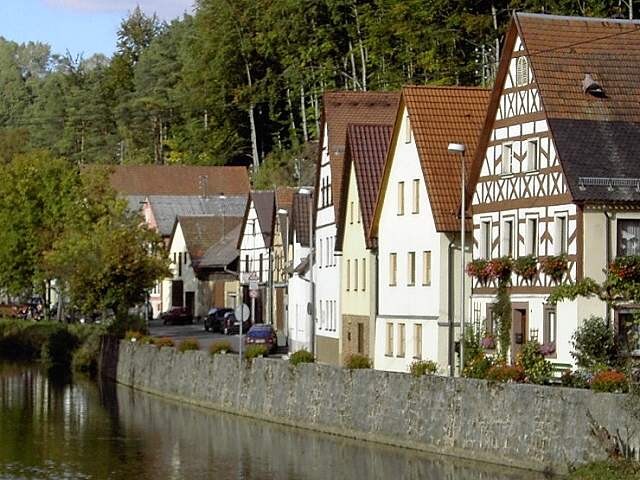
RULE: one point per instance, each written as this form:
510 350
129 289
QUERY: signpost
241 313
253 293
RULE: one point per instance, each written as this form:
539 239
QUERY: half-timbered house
553 178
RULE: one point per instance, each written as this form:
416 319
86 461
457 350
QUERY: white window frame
402 340
393 269
486 238
411 269
522 71
417 341
400 199
532 235
415 197
426 268
506 161
508 224
407 129
533 159
561 233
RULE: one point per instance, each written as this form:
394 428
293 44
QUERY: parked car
231 325
261 334
214 321
177 316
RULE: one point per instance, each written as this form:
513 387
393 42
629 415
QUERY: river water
57 429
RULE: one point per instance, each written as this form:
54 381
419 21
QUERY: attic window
590 86
522 71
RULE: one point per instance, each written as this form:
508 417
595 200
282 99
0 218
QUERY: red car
177 316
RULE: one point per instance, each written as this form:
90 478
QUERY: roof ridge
548 16
445 87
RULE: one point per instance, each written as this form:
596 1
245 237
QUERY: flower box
526 267
554 266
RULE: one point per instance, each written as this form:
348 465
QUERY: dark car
231 325
261 334
177 316
214 321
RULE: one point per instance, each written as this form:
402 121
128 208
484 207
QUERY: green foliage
472 345
355 361
526 267
423 367
188 344
535 367
57 350
478 366
594 344
255 351
292 167
502 311
220 347
120 327
575 379
85 358
607 470
501 372
611 381
301 356
587 287
554 266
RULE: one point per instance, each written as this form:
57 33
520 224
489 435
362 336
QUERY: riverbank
525 426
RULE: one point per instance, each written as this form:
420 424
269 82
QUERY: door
519 329
177 289
190 301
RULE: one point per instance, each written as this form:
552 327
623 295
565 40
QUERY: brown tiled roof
341 109
203 232
300 218
178 180
284 197
594 137
439 116
265 204
366 151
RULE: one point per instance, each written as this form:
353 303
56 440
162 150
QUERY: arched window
522 71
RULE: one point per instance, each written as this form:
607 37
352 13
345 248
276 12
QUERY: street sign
253 293
242 311
253 281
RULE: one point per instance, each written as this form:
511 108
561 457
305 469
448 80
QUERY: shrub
472 345
478 366
611 381
355 361
255 351
577 379
57 350
594 344
488 342
163 342
532 362
220 347
504 373
134 323
423 367
188 344
85 358
607 470
133 335
301 356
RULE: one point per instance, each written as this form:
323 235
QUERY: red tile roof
439 116
341 109
178 180
366 152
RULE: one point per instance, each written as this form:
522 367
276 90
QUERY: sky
79 26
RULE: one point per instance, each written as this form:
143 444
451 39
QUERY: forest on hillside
241 81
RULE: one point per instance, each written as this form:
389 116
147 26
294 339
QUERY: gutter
450 287
607 243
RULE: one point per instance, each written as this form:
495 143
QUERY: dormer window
522 71
407 129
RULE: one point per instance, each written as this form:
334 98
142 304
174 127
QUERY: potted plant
500 268
526 267
478 269
488 342
554 266
626 269
548 348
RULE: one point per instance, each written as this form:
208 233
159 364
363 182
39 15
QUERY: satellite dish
242 312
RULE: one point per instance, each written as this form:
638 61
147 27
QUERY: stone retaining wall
539 428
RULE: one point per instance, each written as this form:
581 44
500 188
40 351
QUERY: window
628 237
533 155
364 274
507 158
485 239
358 212
401 339
507 247
328 251
348 275
400 198
490 321
522 71
531 246
184 258
407 129
246 263
351 213
389 349
355 274
416 196
320 254
260 264
411 268
393 269
180 264
360 339
549 326
417 341
426 268
628 330
560 239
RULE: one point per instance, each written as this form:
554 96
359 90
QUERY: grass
607 470
220 347
188 344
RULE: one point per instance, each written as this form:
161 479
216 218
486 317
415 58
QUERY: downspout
452 366
607 243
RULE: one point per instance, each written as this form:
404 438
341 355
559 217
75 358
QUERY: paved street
196 330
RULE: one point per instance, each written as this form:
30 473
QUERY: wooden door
190 301
177 290
519 329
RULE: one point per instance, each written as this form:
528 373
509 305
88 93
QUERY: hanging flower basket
554 266
626 269
501 268
488 342
547 349
526 267
479 269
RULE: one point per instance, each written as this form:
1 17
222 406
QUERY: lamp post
458 148
312 304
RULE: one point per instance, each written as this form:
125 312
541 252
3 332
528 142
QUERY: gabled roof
594 137
178 180
300 217
166 208
366 152
284 197
265 204
209 238
340 109
439 116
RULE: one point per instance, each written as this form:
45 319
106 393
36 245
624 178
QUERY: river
78 429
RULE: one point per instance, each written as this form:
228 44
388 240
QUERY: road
196 330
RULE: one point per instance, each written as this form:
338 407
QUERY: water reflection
82 430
